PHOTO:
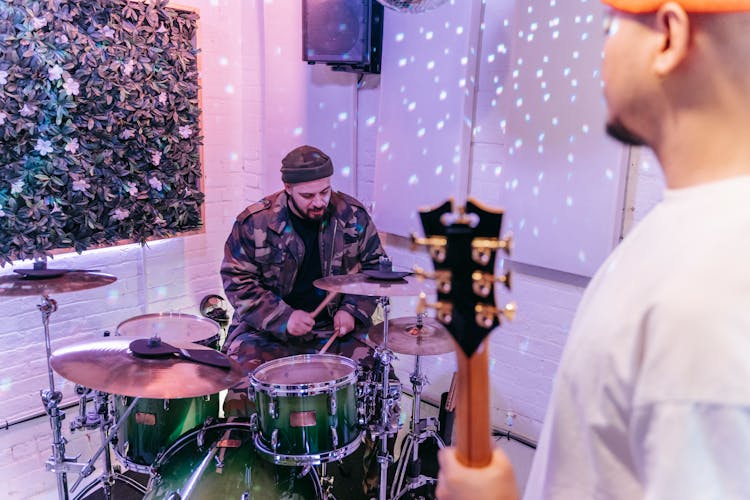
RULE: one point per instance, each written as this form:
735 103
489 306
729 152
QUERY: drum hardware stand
58 462
385 429
91 420
408 476
324 482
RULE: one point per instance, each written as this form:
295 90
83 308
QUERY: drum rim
194 317
307 389
312 458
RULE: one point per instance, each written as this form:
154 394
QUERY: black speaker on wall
345 34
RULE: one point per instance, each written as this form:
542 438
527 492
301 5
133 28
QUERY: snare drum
219 461
172 327
307 409
154 424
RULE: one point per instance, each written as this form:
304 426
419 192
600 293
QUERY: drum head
305 370
170 327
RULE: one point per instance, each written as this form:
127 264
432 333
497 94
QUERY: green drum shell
154 424
242 469
300 413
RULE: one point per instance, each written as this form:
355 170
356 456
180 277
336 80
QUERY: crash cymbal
108 365
361 284
170 327
51 281
405 337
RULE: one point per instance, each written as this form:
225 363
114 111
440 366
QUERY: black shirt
304 295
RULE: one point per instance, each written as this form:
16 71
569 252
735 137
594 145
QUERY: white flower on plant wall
4 78
27 110
3 116
127 69
55 72
107 32
163 97
72 145
43 146
131 188
159 221
155 183
120 213
39 22
61 39
156 158
127 133
2 212
17 187
185 131
71 86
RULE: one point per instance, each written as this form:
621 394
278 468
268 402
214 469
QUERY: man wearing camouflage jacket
277 248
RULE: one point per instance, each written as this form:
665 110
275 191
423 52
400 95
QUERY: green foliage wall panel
99 124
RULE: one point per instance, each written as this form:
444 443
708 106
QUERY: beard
315 215
618 131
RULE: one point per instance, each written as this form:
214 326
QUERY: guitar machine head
463 245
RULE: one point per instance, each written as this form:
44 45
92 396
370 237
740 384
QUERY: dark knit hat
304 164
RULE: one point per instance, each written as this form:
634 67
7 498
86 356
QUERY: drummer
277 248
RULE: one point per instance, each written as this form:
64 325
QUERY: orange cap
697 6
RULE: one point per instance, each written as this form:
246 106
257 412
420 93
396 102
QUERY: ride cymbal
51 281
109 365
361 284
406 337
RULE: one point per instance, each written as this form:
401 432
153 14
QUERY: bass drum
220 461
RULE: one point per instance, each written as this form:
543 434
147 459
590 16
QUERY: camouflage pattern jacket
263 254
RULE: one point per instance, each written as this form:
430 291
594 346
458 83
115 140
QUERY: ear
674 24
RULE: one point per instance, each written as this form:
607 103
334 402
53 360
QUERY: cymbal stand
108 477
421 429
58 462
385 429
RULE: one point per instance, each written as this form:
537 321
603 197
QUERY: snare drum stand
386 428
421 429
58 462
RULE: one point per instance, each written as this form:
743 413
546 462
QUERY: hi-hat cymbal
108 365
17 285
361 284
405 337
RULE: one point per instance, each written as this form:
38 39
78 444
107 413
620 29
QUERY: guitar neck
472 424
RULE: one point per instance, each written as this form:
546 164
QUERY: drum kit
155 388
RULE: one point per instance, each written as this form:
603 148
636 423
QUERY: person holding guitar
652 398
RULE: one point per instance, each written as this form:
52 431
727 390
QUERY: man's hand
493 482
343 322
300 323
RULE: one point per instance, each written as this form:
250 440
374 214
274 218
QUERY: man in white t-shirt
652 397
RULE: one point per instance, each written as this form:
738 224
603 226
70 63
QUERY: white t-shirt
652 397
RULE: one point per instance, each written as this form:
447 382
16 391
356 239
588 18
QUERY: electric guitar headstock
463 245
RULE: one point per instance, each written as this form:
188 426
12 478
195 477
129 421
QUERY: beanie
304 164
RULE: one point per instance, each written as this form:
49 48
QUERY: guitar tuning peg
482 248
482 282
444 309
436 245
442 277
509 311
484 315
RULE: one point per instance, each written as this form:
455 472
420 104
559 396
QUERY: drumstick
329 298
330 341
